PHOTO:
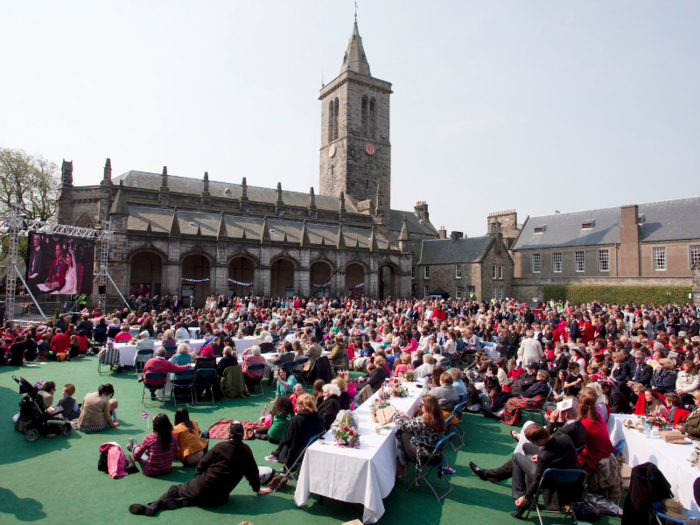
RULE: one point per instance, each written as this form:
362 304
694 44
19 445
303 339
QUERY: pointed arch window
365 116
336 107
373 118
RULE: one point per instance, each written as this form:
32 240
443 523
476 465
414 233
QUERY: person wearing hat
218 473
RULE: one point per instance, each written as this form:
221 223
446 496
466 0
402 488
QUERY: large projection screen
57 264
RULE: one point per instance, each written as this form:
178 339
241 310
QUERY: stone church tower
355 146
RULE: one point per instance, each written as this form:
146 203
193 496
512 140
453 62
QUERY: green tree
29 180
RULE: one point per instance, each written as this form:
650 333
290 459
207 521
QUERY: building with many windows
647 244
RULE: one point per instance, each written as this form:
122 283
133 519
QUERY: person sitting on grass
99 410
281 415
298 391
192 441
159 448
285 386
218 473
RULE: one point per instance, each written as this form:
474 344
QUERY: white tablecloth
672 460
127 351
365 475
194 332
243 344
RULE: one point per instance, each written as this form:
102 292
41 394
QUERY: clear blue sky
536 105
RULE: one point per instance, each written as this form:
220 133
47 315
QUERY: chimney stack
442 233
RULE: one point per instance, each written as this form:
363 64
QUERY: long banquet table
365 475
671 460
127 351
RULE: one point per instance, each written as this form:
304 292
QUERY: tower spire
355 58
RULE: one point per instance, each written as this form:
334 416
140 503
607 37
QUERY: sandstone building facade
195 236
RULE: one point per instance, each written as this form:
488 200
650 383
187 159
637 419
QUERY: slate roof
447 251
662 221
192 186
415 223
192 222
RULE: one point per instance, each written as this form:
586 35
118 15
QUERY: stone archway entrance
196 270
354 280
388 284
282 278
146 274
319 275
241 270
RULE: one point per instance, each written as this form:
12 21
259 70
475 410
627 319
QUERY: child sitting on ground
71 409
284 385
298 391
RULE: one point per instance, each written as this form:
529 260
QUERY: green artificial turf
55 480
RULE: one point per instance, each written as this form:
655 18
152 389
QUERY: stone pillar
262 281
338 285
171 281
372 283
302 286
218 276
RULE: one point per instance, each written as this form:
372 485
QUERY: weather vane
355 12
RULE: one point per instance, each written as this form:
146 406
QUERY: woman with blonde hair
302 427
182 356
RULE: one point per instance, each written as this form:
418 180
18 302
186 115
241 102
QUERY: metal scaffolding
17 225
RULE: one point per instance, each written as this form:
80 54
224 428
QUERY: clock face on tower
331 151
369 148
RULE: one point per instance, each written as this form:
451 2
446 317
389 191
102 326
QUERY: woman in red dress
598 445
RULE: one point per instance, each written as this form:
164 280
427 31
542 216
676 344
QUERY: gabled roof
415 223
448 251
671 220
192 186
192 222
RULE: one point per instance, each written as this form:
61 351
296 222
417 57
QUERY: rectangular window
659 259
603 261
580 261
413 272
536 262
694 256
494 293
500 292
426 272
500 272
556 262
458 271
494 272
426 293
471 290
458 292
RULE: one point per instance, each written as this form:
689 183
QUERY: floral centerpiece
399 391
695 456
345 434
409 376
377 404
656 421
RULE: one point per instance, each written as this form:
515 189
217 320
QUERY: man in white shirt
426 368
181 333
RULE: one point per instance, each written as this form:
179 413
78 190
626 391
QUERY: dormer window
588 224
641 219
540 229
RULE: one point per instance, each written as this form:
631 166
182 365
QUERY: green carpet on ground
56 479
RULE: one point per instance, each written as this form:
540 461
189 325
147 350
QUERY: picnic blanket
219 430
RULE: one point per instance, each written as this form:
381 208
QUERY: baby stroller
34 419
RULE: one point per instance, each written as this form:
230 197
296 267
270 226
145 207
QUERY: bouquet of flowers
377 404
409 376
399 391
695 456
655 419
345 434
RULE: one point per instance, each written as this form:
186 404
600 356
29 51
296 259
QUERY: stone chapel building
195 237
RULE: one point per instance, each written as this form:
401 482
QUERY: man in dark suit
693 327
574 332
176 304
554 452
35 269
641 372
562 423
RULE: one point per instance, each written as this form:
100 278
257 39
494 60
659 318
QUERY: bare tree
29 180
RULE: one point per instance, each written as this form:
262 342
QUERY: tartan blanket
219 430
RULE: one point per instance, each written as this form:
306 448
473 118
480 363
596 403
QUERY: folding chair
153 376
342 363
288 473
354 404
204 378
576 478
619 447
184 379
690 513
141 358
258 381
459 431
108 357
434 463
539 409
299 368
